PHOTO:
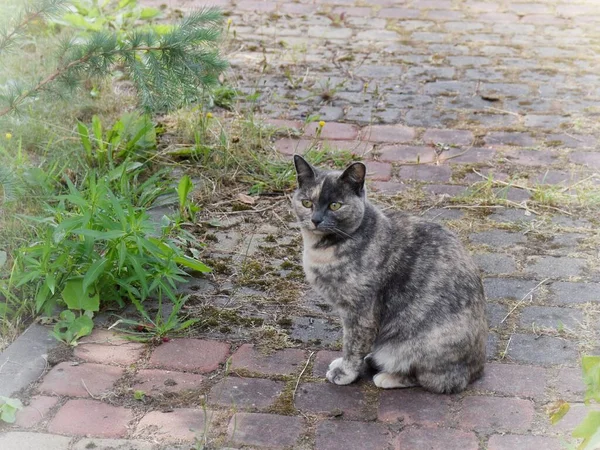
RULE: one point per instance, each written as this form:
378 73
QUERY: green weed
9 408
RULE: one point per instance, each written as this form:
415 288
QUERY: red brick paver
322 361
414 406
192 355
91 418
123 354
183 424
269 430
436 438
281 362
388 133
513 442
36 411
245 392
156 381
349 435
327 398
496 414
512 379
83 380
333 131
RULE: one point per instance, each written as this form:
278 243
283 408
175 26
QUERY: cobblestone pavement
433 94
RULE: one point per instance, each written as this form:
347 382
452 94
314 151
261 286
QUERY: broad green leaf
94 272
51 282
97 129
183 189
67 316
79 299
84 135
41 297
27 278
192 264
13 402
103 235
140 273
82 326
593 443
588 428
8 414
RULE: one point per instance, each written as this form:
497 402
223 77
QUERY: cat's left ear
304 171
354 175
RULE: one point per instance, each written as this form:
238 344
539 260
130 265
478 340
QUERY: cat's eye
307 203
335 206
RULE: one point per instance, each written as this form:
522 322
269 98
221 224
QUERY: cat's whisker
339 232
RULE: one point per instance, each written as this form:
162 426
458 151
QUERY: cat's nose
316 221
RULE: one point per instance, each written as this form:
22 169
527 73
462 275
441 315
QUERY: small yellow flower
8 135
321 124
229 21
209 115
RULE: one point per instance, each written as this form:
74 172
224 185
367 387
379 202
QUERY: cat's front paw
340 373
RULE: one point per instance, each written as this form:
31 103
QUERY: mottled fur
409 296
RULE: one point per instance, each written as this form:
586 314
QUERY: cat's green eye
307 203
335 206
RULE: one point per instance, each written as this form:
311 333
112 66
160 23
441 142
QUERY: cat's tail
370 368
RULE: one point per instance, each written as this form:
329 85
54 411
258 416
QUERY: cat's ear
354 175
304 171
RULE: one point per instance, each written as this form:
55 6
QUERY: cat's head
329 201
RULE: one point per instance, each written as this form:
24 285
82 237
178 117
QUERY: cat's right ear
305 173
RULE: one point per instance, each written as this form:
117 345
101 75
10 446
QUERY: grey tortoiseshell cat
409 296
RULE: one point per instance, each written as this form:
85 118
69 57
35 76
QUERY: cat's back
427 243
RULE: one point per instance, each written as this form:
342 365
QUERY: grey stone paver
16 440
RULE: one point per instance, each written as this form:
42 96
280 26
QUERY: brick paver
83 380
113 444
245 392
336 434
123 354
414 406
193 355
269 430
495 414
322 361
435 438
37 411
327 398
281 362
156 381
182 424
91 418
512 379
511 442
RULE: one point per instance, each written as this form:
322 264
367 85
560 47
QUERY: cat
408 294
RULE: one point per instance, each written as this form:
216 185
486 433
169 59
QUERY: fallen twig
301 373
523 299
88 391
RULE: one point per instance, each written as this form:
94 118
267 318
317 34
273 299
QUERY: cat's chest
318 261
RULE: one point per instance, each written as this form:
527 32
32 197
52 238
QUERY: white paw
336 363
390 381
340 373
